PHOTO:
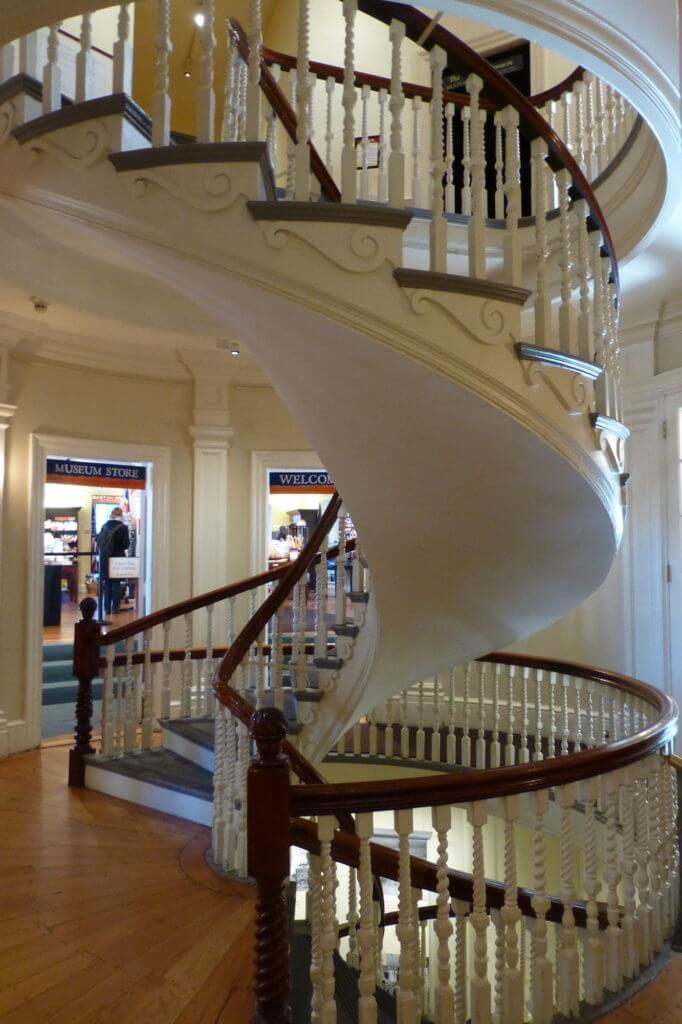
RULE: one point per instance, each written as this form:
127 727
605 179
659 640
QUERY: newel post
86 655
268 863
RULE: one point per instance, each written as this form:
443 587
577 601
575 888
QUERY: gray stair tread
57 652
196 730
359 597
332 663
160 768
346 630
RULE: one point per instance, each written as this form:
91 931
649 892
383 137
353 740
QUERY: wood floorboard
109 911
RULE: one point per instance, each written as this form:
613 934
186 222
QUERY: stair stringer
475 485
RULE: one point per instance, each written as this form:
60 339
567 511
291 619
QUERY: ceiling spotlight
234 350
187 71
199 18
39 305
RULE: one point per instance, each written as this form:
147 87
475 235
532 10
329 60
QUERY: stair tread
160 768
198 730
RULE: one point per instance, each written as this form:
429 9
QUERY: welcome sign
301 481
96 474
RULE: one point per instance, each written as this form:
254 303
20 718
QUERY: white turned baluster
438 228
364 172
379 938
348 168
611 125
302 153
161 101
451 739
243 758
207 704
85 66
568 960
417 200
510 749
449 158
542 305
513 263
253 94
417 952
52 74
542 988
600 125
437 721
466 161
495 749
654 857
396 160
219 787
630 962
166 673
591 168
480 739
406 997
129 723
352 956
327 939
524 754
314 915
367 1006
644 910
119 718
551 740
539 723
242 83
584 327
567 328
330 85
123 54
277 662
229 838
108 703
565 731
594 939
474 84
445 997
498 968
206 90
357 739
297 678
512 985
479 989
577 715
315 190
382 175
340 592
405 728
499 166
373 733
579 103
6 62
388 732
321 595
147 693
420 748
461 912
231 99
466 738
613 972
186 695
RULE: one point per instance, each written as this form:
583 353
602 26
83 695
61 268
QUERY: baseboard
13 737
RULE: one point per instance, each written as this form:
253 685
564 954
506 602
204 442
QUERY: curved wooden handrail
558 90
281 106
386 863
502 93
513 779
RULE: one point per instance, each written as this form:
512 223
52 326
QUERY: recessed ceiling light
199 19
234 350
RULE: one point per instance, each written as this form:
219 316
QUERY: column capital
211 435
212 376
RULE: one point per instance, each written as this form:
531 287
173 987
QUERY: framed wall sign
373 151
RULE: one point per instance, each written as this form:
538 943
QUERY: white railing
585 856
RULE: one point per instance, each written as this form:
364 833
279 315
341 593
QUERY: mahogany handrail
281 106
501 91
512 779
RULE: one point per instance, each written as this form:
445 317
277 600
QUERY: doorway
75 485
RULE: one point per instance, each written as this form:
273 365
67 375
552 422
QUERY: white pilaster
7 411
211 435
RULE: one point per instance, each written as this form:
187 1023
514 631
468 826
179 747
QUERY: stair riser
183 747
146 794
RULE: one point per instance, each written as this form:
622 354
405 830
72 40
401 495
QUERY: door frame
261 463
42 447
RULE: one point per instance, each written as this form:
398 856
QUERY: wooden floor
71 614
108 912
659 1003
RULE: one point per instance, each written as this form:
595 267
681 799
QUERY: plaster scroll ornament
367 252
95 147
491 317
8 116
571 390
217 193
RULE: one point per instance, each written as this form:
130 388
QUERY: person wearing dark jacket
112 541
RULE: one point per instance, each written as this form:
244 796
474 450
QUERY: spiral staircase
461 368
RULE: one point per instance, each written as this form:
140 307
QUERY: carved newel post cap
269 729
88 607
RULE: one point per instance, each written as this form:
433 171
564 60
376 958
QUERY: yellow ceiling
186 51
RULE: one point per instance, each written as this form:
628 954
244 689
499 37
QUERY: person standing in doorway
112 541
